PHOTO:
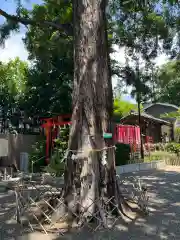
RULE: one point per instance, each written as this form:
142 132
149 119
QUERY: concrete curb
136 167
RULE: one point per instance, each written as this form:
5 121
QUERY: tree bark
90 180
92 109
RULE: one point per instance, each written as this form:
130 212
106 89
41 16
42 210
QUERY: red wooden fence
127 134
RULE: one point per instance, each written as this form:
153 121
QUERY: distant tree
122 108
144 29
167 83
13 78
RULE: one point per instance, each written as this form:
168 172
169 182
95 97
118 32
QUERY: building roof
147 116
162 104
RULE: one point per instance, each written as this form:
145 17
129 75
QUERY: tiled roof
148 116
162 104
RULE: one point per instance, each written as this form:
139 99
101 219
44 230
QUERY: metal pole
139 105
139 122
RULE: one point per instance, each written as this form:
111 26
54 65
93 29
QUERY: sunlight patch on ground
177 204
122 228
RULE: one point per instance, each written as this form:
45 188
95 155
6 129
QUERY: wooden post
5 174
17 208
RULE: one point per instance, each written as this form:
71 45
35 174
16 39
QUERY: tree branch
26 21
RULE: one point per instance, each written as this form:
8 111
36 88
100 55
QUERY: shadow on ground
163 221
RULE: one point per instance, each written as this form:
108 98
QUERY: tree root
106 210
124 211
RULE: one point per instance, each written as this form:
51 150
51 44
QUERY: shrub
56 165
37 155
122 154
173 147
177 134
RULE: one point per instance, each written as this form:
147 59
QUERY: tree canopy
143 28
167 84
13 80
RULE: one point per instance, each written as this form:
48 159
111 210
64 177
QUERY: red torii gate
51 130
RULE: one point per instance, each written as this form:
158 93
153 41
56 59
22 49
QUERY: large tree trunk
92 109
90 179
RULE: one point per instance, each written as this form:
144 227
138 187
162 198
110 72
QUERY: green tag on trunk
107 135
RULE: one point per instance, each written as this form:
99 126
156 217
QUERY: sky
14 46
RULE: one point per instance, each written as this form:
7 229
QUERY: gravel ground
163 221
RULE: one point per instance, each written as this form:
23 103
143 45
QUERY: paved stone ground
163 221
